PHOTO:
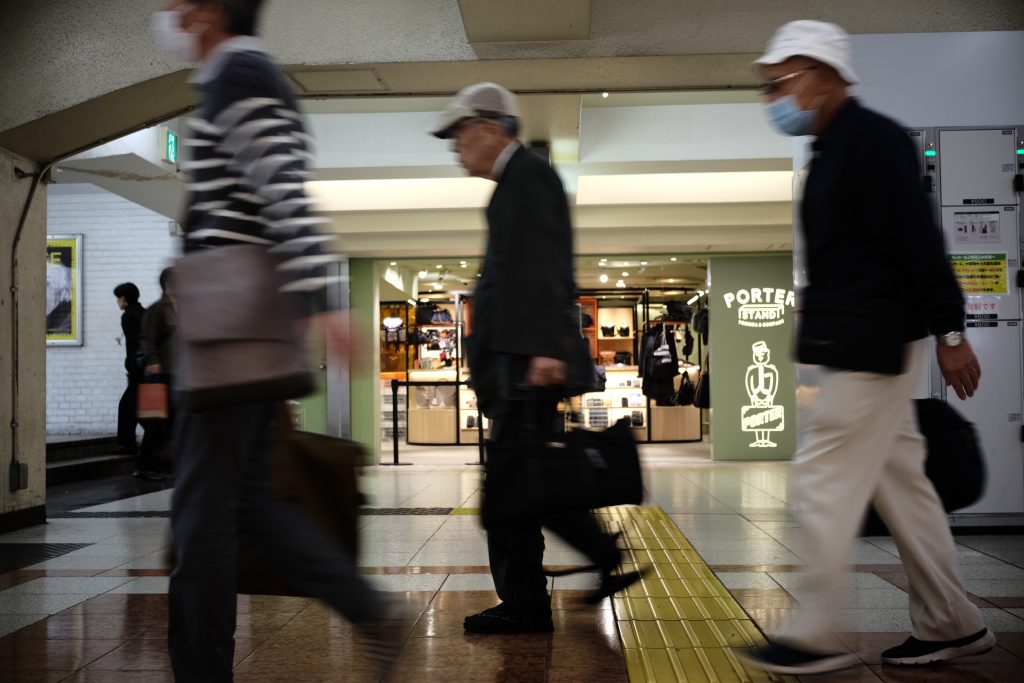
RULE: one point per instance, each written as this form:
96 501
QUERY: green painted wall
310 412
365 380
753 377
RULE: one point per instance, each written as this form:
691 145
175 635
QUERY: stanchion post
394 425
394 419
480 433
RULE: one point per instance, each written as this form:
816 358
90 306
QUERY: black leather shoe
501 619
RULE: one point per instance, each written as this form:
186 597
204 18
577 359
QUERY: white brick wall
122 242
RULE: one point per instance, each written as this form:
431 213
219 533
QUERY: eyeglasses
775 85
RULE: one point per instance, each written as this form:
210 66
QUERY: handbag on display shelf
607 330
702 393
425 313
686 393
581 470
242 341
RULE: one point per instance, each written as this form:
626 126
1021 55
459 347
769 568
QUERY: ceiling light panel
686 188
400 194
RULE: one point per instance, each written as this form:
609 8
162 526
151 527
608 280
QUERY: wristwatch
954 338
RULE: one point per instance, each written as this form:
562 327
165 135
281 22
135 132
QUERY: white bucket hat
474 100
820 40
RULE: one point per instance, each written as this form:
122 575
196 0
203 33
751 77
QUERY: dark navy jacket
876 263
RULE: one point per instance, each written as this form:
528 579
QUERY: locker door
995 411
976 167
983 245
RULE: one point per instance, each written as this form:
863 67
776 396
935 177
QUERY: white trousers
860 443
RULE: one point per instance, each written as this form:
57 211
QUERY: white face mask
166 26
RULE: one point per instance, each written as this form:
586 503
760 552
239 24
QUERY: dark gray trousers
221 494
516 549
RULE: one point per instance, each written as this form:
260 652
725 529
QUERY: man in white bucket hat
865 320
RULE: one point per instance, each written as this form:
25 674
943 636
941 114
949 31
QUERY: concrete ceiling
89 71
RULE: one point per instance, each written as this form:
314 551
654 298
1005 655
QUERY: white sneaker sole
978 647
821 666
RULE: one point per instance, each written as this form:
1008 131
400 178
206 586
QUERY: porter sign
753 391
760 306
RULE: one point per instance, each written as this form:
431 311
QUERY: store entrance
645 319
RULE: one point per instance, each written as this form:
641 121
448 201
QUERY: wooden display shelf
675 423
431 425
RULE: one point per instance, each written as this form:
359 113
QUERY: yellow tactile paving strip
679 623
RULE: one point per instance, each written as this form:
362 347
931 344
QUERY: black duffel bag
954 464
581 470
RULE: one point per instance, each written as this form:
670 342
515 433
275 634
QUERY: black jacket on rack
659 369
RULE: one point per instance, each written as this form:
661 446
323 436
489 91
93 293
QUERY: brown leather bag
242 341
318 475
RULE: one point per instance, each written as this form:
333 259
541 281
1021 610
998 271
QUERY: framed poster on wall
64 290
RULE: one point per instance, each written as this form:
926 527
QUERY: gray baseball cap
476 100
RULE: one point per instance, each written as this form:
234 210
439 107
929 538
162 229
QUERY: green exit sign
170 146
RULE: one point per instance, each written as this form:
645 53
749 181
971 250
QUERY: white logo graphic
761 306
762 382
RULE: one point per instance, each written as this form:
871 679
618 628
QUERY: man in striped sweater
249 156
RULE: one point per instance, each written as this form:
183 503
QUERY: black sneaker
501 619
787 660
914 652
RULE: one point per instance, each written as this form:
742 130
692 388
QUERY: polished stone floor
96 609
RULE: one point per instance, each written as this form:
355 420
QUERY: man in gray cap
866 315
519 352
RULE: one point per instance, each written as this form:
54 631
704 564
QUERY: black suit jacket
524 299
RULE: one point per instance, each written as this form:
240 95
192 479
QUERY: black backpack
954 464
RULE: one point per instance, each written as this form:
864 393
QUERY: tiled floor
98 612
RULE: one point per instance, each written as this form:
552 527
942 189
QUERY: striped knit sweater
248 165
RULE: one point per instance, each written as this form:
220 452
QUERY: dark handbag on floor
318 476
582 470
954 463
241 336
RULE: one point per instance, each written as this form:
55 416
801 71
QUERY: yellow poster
63 290
980 273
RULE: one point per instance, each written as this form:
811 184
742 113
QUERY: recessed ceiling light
603 278
464 265
604 94
423 273
643 263
394 263
440 265
621 284
673 259
625 273
671 279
